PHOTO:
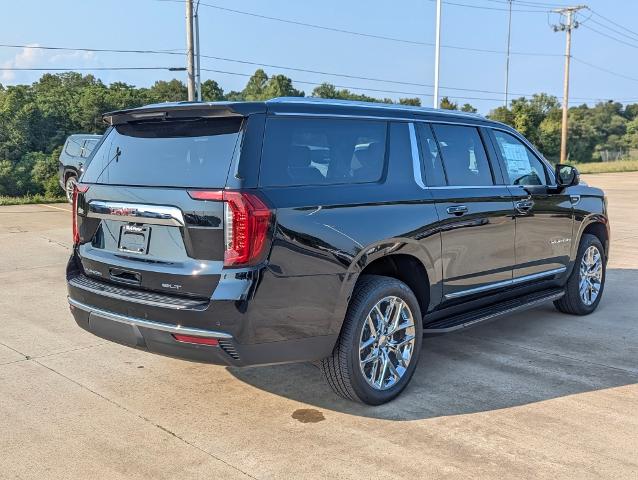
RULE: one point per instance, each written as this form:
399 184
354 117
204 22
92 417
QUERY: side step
469 319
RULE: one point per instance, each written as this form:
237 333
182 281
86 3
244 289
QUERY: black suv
327 231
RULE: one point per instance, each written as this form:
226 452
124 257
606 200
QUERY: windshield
185 153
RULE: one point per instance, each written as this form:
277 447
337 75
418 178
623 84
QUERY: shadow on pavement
518 359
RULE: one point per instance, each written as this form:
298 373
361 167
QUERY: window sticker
517 160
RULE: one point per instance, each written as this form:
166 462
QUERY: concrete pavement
533 395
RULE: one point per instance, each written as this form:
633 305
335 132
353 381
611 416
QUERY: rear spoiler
183 110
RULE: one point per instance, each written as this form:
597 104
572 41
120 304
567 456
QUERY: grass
27 199
608 167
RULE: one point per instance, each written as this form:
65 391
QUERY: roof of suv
288 105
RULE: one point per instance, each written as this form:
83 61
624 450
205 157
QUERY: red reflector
192 339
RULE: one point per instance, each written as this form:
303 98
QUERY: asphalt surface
532 395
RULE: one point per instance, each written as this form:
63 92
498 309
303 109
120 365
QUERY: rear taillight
77 189
246 223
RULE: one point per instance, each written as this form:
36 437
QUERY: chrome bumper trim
138 322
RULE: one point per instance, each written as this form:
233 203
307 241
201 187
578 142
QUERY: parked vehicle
75 152
331 231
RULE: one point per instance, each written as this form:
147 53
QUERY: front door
544 217
476 215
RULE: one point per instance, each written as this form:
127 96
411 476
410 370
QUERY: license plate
134 239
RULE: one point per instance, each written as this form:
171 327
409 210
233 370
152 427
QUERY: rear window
301 151
73 147
195 153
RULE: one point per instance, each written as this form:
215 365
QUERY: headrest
299 156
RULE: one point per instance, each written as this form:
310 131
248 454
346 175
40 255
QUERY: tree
256 86
416 102
171 91
280 86
448 104
211 91
468 108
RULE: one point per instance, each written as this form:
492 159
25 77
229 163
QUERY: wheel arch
597 225
68 171
406 260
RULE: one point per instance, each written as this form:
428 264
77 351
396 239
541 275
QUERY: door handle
457 210
524 206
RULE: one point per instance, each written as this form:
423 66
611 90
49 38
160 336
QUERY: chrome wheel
386 343
591 275
69 186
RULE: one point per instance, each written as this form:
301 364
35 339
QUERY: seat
300 168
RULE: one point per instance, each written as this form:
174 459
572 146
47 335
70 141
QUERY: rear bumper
157 337
144 324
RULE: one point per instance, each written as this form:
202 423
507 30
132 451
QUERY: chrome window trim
416 159
505 283
138 322
135 212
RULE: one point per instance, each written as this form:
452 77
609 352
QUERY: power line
304 82
270 65
483 7
633 45
107 50
359 34
614 23
617 32
58 69
260 64
602 69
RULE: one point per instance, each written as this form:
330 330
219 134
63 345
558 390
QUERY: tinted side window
431 157
301 151
73 148
89 145
523 168
463 154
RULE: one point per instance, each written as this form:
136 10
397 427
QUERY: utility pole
190 53
437 54
567 28
507 60
198 74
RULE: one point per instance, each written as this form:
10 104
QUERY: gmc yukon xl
326 231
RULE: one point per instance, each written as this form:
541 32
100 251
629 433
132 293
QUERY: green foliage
415 102
604 132
327 90
448 104
468 108
36 119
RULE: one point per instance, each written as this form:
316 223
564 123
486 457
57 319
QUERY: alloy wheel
591 275
386 343
70 185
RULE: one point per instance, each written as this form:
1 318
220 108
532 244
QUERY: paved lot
533 395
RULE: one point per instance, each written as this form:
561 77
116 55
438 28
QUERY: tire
573 302
391 345
68 187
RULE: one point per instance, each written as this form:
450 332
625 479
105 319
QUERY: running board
469 319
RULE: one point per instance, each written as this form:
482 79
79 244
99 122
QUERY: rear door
475 210
138 224
544 217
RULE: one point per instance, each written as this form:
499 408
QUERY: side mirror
566 176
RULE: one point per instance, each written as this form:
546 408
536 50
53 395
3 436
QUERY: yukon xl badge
171 285
558 241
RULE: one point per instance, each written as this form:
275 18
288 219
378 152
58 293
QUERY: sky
610 71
